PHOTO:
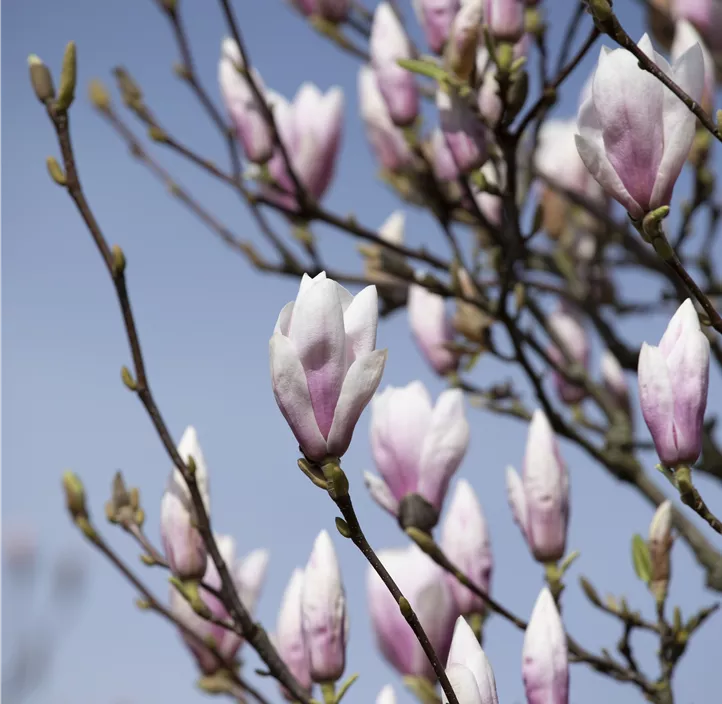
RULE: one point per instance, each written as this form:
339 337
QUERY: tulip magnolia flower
289 639
435 17
431 328
324 369
416 447
468 669
705 15
545 667
635 134
465 541
387 44
252 128
182 543
248 576
310 129
423 583
489 101
386 695
387 140
539 500
571 333
685 37
614 380
323 612
464 133
673 381
331 10
460 54
442 160
505 19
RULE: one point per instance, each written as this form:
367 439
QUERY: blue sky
205 318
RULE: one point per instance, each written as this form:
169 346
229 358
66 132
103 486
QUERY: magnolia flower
387 140
465 35
705 15
246 113
442 160
464 133
182 543
545 667
310 129
673 381
572 335
324 369
539 500
323 612
435 18
431 328
489 100
465 541
634 134
387 44
685 37
505 19
468 669
416 447
331 10
614 380
386 695
289 639
248 576
423 583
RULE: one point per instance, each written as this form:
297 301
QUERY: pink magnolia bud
489 101
289 638
705 15
465 134
435 17
331 10
685 37
505 19
431 328
442 160
468 669
423 583
624 140
387 140
252 128
310 129
673 381
539 500
572 335
386 695
465 34
387 44
660 545
323 612
417 448
614 380
324 369
545 667
182 543
465 540
248 576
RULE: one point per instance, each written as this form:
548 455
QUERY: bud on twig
74 495
68 78
56 171
660 545
41 79
99 95
118 260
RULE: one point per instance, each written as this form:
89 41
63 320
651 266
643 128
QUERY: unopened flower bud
465 32
68 78
431 327
41 79
289 638
74 495
505 19
660 545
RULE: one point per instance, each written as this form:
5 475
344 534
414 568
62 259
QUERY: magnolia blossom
423 583
324 369
310 129
386 695
614 380
705 15
685 37
246 113
417 447
465 134
323 612
387 141
442 160
331 10
489 100
505 19
435 17
571 334
635 134
431 328
465 34
545 665
387 44
673 381
248 576
465 541
539 500
468 669
182 543
289 639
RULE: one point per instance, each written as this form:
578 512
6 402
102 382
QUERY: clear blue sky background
205 318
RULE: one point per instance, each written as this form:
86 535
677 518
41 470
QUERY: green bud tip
405 607
56 172
74 494
118 260
343 527
41 79
99 95
68 78
128 379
